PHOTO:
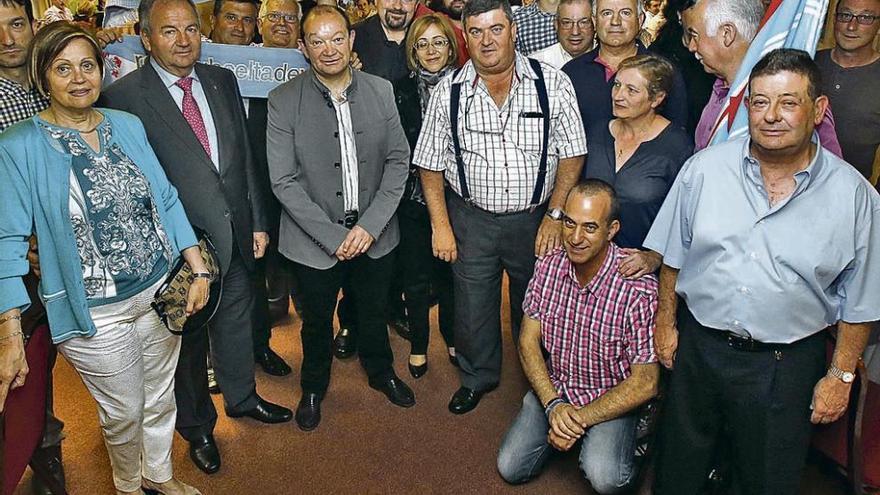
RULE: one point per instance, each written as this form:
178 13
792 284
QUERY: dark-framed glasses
582 23
863 19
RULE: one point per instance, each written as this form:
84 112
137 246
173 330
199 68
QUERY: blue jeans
607 449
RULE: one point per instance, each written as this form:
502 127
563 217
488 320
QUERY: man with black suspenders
515 150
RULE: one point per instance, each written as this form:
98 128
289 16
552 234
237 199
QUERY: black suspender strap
454 103
544 103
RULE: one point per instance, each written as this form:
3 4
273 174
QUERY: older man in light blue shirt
766 242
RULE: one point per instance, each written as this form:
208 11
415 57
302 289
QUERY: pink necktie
192 114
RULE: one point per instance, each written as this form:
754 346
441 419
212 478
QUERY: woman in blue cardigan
109 227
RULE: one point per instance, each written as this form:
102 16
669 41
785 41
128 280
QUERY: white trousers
128 366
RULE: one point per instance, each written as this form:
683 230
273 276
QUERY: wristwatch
844 376
555 214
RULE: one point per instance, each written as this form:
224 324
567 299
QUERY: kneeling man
597 327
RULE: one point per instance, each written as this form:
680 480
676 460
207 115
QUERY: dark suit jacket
256 126
229 205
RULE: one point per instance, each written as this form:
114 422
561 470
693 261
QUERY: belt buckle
740 342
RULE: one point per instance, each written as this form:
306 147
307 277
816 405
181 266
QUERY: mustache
395 11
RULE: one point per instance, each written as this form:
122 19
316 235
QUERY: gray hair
745 15
146 7
640 7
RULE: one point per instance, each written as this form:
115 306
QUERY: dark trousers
231 354
760 399
271 281
420 271
488 245
367 280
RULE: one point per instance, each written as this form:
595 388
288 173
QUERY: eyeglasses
863 19
582 23
439 44
278 17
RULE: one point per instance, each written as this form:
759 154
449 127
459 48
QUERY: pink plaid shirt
593 333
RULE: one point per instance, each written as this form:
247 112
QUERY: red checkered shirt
594 333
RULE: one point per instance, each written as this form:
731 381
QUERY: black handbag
169 302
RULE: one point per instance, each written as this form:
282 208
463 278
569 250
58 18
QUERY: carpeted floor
364 444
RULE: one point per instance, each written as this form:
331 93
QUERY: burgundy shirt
827 134
594 333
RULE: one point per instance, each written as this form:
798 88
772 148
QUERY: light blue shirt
777 273
170 81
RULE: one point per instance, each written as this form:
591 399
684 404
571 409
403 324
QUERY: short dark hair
218 4
319 10
790 60
592 187
48 43
28 8
474 8
146 7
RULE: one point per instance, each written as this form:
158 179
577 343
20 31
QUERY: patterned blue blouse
122 246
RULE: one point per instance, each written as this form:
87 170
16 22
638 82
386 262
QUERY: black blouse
643 181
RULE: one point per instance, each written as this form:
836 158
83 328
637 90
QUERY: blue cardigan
35 189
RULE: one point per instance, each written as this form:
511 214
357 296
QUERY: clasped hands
566 427
357 242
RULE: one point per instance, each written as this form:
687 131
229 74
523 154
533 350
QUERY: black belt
745 343
472 204
351 219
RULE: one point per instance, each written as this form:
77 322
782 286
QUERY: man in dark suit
195 123
279 27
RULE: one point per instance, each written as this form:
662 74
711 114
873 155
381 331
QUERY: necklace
86 131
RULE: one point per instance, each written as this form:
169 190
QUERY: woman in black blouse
639 152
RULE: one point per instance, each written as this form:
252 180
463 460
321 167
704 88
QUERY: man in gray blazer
195 123
338 160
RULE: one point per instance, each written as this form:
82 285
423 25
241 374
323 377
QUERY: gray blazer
302 144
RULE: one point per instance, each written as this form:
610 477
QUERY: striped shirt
348 152
501 147
594 333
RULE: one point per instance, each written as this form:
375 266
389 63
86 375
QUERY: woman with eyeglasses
640 153
431 50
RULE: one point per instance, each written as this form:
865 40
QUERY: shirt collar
352 84
601 278
10 84
170 79
802 178
720 88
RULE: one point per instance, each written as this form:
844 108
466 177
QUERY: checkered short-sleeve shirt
594 333
501 147
534 29
18 103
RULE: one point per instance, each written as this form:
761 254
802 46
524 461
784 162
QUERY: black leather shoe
308 412
401 326
265 412
418 371
48 471
396 390
271 363
204 454
465 400
345 343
